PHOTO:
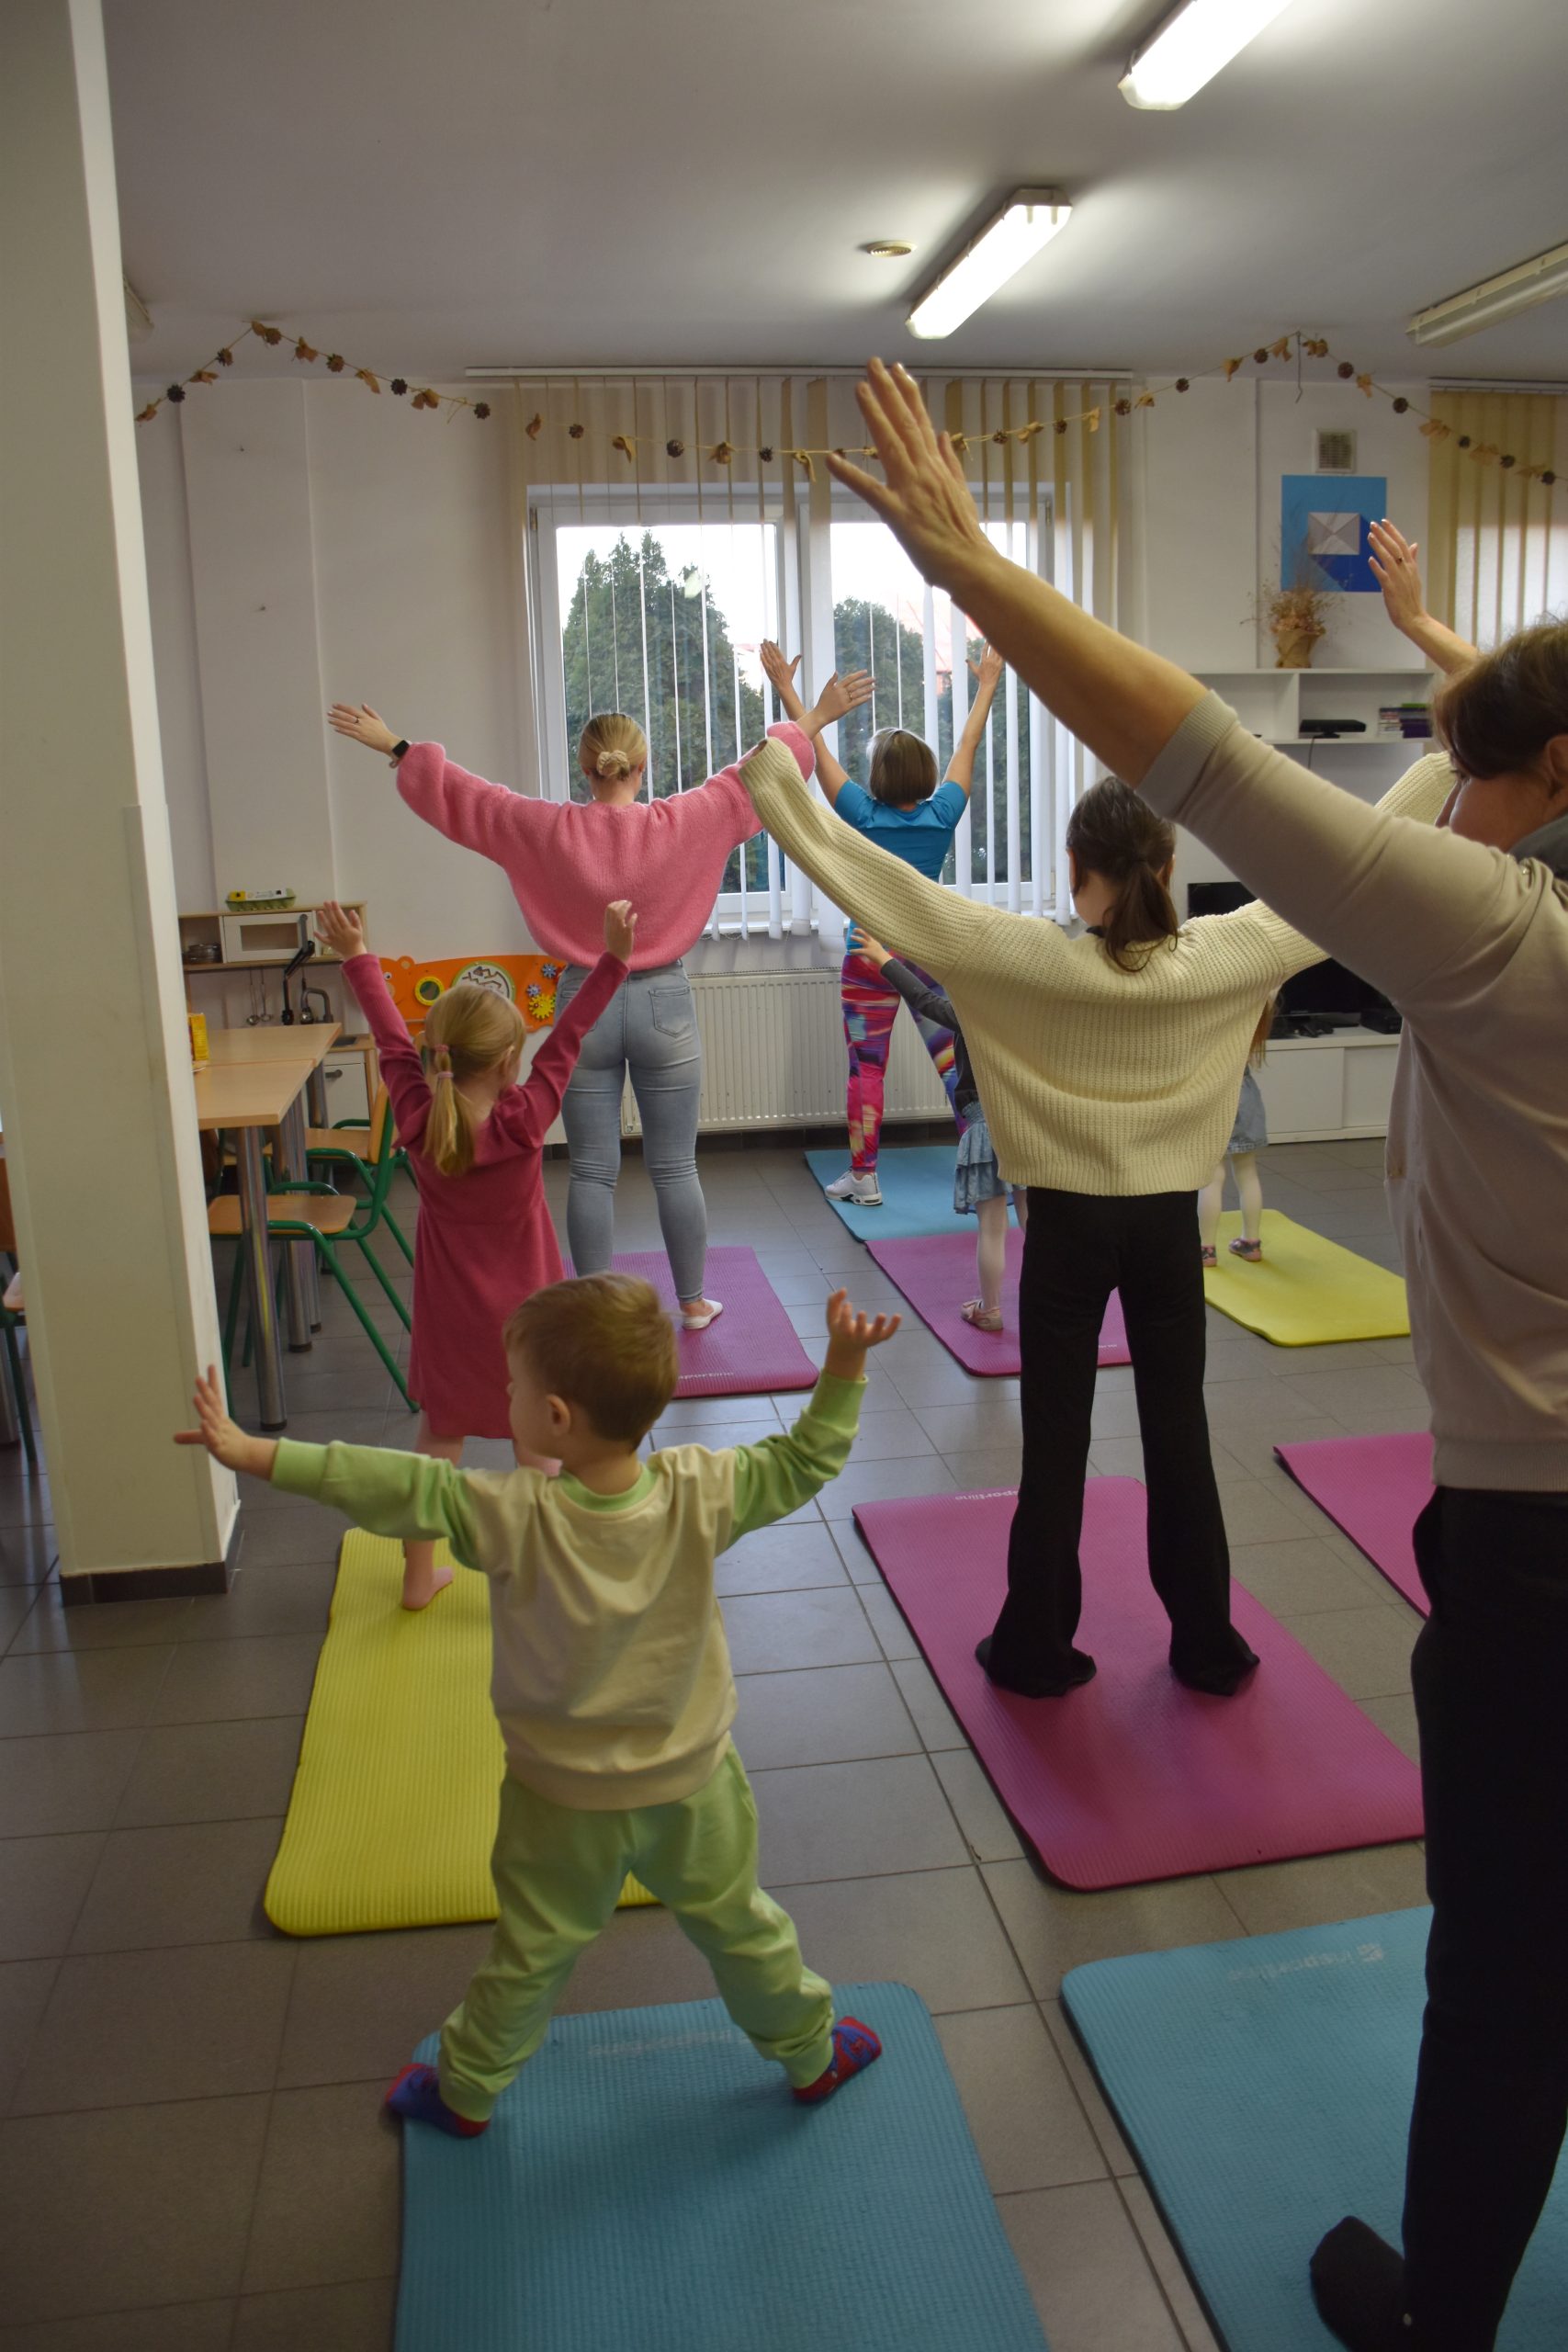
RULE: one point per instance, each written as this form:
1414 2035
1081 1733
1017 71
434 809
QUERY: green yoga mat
392 1813
648 2184
917 1192
1265 2087
1305 1291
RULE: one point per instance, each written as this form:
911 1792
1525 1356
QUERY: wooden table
247 1097
305 1041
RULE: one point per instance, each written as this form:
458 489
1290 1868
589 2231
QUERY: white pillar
95 1066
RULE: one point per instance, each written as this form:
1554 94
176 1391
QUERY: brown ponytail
467 1033
1115 833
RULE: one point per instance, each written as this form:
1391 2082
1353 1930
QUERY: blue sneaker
416 2097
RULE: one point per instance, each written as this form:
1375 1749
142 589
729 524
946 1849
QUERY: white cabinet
1317 1087
347 1097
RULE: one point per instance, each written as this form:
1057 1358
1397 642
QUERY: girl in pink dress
485 1240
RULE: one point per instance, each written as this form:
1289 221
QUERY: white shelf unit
1273 703
1325 1089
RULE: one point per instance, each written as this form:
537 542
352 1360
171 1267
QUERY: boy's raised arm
777 1476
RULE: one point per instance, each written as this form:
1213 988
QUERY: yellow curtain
1497 557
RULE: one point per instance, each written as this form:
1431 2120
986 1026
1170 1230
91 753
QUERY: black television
1326 996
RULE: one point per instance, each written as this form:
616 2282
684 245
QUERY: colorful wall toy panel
528 980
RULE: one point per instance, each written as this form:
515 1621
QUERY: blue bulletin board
1324 520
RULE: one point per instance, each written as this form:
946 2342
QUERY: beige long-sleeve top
1094 1079
1473 946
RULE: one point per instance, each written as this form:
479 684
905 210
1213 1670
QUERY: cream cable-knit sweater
1094 1079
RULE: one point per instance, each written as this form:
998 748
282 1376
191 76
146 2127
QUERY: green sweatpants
559 1872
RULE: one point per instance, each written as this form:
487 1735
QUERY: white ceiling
429 184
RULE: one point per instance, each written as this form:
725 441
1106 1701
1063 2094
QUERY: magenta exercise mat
1134 1777
752 1349
936 1274
1375 1488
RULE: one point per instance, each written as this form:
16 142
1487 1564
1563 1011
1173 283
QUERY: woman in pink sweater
566 860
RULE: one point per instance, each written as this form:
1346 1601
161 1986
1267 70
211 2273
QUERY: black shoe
1358 2284
1036 1687
1224 1677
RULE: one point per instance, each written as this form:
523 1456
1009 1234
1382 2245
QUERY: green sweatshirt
611 1674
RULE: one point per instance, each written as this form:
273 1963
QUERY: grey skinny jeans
649 1028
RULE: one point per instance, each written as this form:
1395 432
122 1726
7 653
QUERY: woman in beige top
1466 928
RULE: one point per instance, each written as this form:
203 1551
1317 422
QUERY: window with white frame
660 613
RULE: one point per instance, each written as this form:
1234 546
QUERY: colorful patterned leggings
871 1007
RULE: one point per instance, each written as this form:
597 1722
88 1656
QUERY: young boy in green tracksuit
611 1678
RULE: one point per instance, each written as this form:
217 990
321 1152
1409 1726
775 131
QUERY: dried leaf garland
335 363
399 386
225 358
203 376
1435 431
364 376
1282 350
303 350
1144 399
481 410
627 445
151 410
1364 384
1231 366
674 449
534 426
722 453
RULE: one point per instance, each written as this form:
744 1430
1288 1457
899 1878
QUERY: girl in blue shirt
902 809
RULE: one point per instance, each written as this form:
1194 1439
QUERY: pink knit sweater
566 859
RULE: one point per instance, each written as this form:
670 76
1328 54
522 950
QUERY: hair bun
613 763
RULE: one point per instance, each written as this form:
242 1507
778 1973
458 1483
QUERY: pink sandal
1251 1250
984 1318
1211 1255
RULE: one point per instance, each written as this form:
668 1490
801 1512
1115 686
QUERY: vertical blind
674 521
1497 542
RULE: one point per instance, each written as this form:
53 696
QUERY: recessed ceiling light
887 249
1191 47
1029 219
1503 297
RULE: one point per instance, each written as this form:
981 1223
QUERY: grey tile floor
191 2155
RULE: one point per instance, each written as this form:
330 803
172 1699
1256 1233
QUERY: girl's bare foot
420 1586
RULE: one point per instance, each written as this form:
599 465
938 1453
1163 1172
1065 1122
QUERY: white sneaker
699 1319
863 1191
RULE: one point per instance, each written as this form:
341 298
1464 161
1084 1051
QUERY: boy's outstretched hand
338 931
620 928
852 1334
224 1439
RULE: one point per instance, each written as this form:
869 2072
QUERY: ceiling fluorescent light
1495 299
1191 47
1029 219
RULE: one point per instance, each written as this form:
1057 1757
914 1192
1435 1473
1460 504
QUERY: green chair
317 1213
12 1320
330 1145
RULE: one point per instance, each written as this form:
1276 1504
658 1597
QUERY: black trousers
1491 1679
1080 1247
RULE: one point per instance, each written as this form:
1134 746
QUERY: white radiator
774 1056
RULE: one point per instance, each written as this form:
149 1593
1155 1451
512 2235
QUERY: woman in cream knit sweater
1109 1065
1466 929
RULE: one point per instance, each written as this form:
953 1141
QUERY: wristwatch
398 748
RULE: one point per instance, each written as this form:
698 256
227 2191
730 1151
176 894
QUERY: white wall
1215 455
386 549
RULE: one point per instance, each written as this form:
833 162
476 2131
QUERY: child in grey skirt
978 1189
1248 1137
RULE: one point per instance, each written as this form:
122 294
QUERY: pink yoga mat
1375 1488
1134 1777
752 1349
936 1274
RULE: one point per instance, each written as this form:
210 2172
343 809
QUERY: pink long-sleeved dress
486 1241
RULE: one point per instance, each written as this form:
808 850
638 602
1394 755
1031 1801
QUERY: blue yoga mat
649 2181
1265 2086
917 1192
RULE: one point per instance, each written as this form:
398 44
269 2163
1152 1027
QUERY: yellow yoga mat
393 1809
1305 1291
